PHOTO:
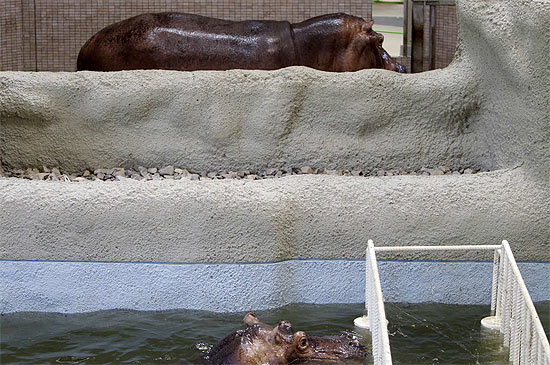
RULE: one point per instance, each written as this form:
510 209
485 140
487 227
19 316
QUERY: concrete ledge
70 287
236 120
299 216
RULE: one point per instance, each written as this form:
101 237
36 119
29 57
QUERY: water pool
419 333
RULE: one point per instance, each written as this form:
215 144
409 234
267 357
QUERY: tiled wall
445 33
46 35
17 46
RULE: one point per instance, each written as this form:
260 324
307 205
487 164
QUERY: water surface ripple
419 333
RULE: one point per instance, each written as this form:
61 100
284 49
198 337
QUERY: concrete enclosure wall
487 110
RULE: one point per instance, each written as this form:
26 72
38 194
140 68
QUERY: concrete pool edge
75 287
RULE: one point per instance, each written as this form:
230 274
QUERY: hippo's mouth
335 355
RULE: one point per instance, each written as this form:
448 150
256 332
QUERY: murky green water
420 333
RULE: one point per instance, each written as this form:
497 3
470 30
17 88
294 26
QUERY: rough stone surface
487 110
295 116
320 216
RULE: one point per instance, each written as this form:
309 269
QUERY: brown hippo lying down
187 42
259 343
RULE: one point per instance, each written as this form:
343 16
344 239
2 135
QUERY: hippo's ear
250 319
367 27
282 333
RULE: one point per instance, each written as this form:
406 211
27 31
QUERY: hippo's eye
302 345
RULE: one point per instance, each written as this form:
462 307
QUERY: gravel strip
171 173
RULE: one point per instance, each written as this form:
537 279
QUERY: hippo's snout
336 348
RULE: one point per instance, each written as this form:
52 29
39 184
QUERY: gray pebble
152 170
142 170
436 172
193 177
167 170
182 172
120 172
271 171
306 170
32 171
230 175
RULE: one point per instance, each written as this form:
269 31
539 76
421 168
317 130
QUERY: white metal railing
375 308
512 309
516 315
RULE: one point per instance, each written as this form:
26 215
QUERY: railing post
376 320
493 321
495 283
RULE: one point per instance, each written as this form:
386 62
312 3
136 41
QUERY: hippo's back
179 41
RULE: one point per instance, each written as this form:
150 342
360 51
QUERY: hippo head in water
259 343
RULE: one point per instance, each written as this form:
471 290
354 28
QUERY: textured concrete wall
489 109
237 120
506 45
305 216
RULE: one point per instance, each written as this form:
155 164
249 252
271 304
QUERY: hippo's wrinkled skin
259 343
187 42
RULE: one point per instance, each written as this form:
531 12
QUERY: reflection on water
419 333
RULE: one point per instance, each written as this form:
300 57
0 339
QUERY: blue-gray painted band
71 287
